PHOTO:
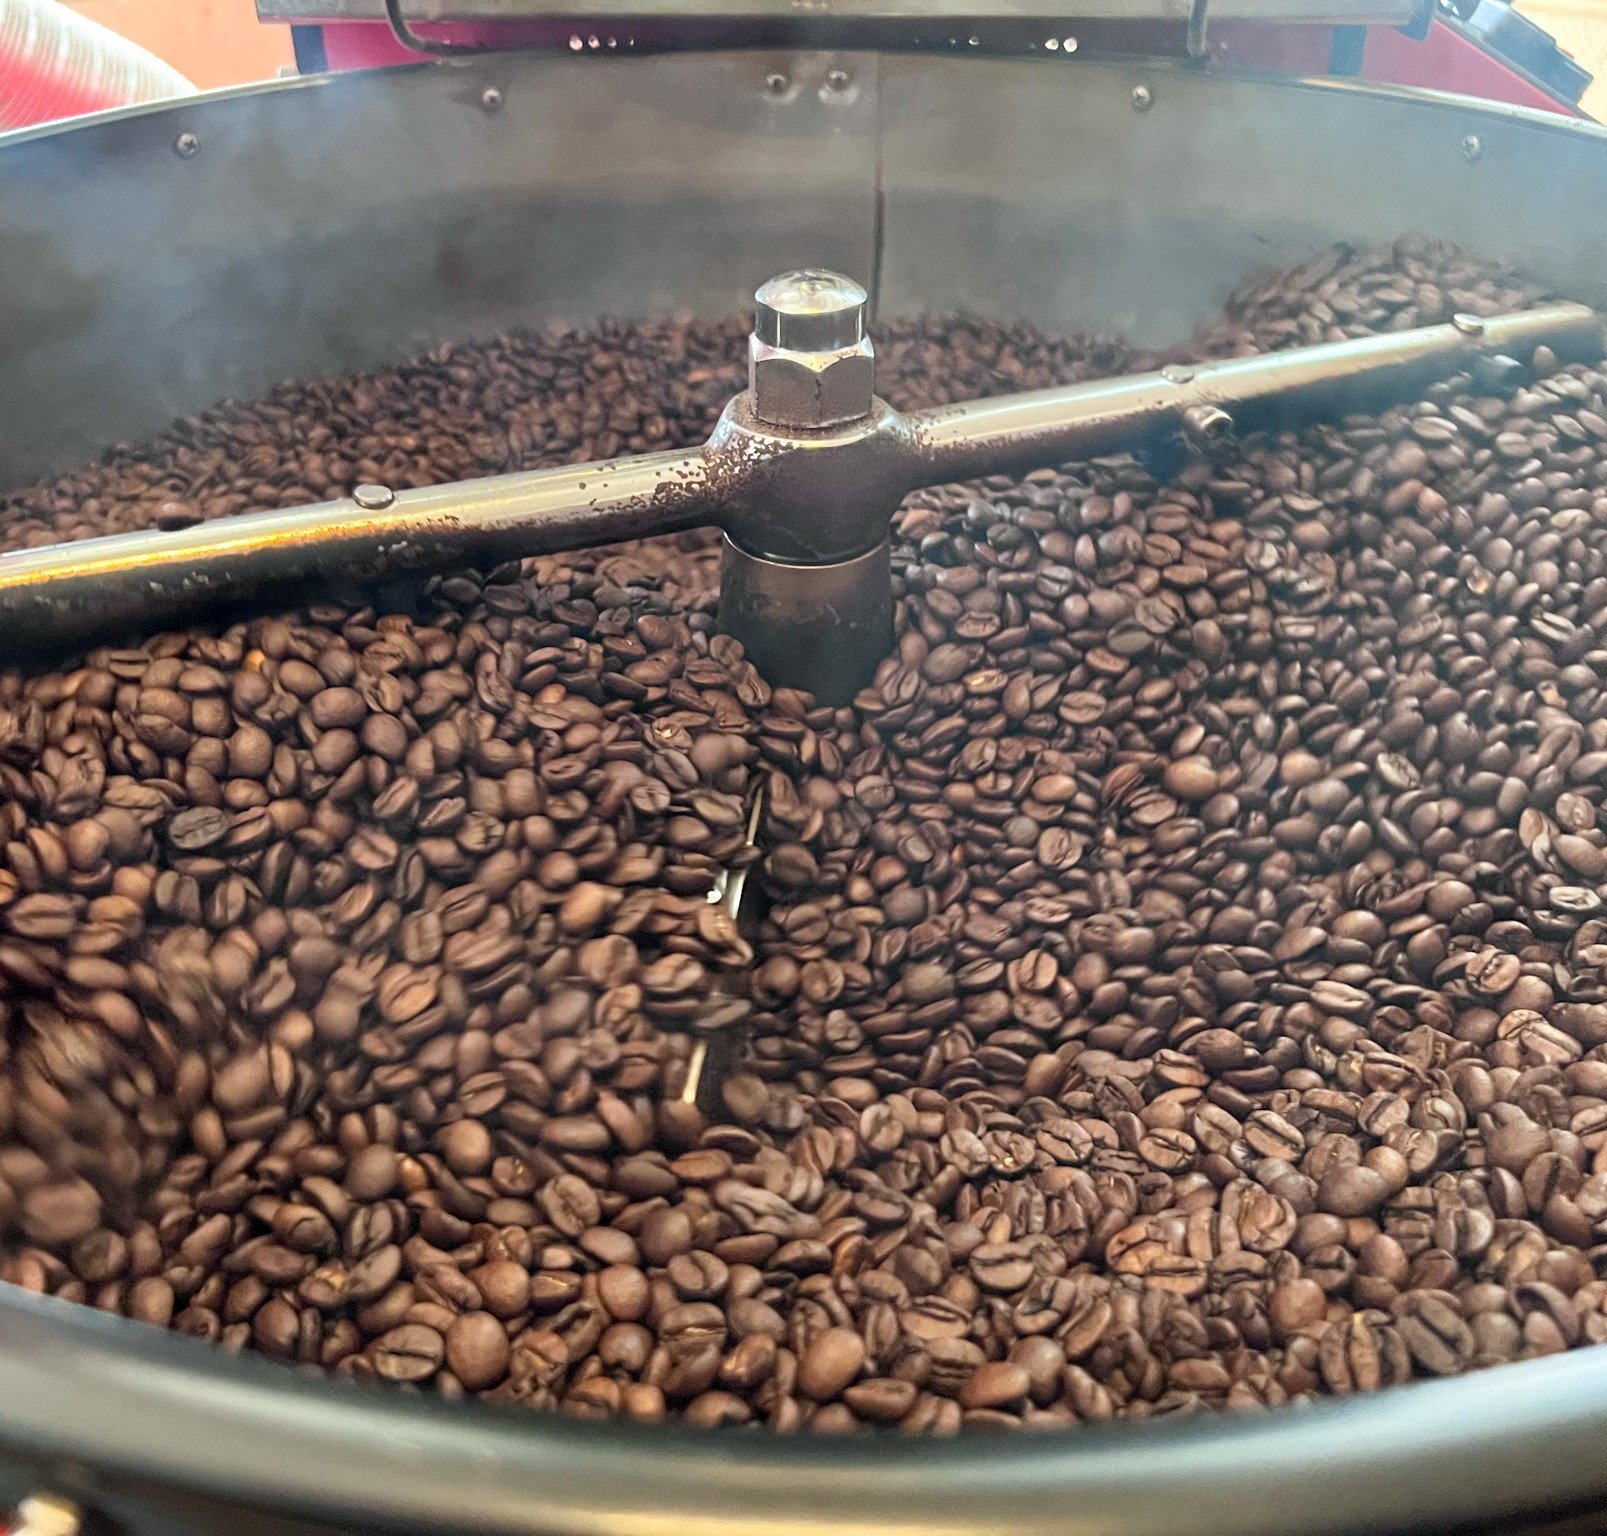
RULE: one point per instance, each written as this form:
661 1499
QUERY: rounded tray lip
1158 69
108 1397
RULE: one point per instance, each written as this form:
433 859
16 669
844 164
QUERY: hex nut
811 389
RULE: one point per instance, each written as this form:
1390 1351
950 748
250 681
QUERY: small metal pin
1497 372
715 1054
1143 98
491 99
186 146
374 498
694 1070
1207 425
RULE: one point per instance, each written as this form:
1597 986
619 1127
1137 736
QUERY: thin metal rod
67 592
1267 392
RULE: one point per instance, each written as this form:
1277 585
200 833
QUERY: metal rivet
777 84
491 99
374 498
838 80
186 146
1472 147
1143 98
1176 373
1468 325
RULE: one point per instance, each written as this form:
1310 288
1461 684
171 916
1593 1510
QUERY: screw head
777 84
1143 98
838 80
1468 325
491 99
810 311
186 146
1472 147
374 498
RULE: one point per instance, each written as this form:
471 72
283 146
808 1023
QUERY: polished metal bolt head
810 363
186 146
810 311
1143 98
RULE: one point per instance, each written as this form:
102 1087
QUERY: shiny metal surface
1269 392
810 363
102 586
115 1403
1076 210
794 501
820 627
810 311
333 223
337 222
719 1043
817 626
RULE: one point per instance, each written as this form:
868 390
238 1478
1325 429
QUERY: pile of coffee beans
1345 292
1182 979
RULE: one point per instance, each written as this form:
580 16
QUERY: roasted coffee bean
409 1353
477 1351
1179 978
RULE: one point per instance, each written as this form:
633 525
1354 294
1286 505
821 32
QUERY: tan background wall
1581 27
220 42
210 42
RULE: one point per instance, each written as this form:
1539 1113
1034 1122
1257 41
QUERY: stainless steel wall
328 224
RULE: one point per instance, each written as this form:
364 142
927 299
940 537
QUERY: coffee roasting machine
1113 166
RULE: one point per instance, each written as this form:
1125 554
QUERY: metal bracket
411 41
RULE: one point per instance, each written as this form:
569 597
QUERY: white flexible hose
55 63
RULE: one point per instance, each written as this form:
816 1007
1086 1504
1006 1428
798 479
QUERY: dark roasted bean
1180 976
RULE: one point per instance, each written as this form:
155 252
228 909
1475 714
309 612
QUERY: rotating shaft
802 474
64 592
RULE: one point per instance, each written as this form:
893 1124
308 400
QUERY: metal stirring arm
802 474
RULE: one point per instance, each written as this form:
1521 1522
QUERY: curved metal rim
1151 69
84 1389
